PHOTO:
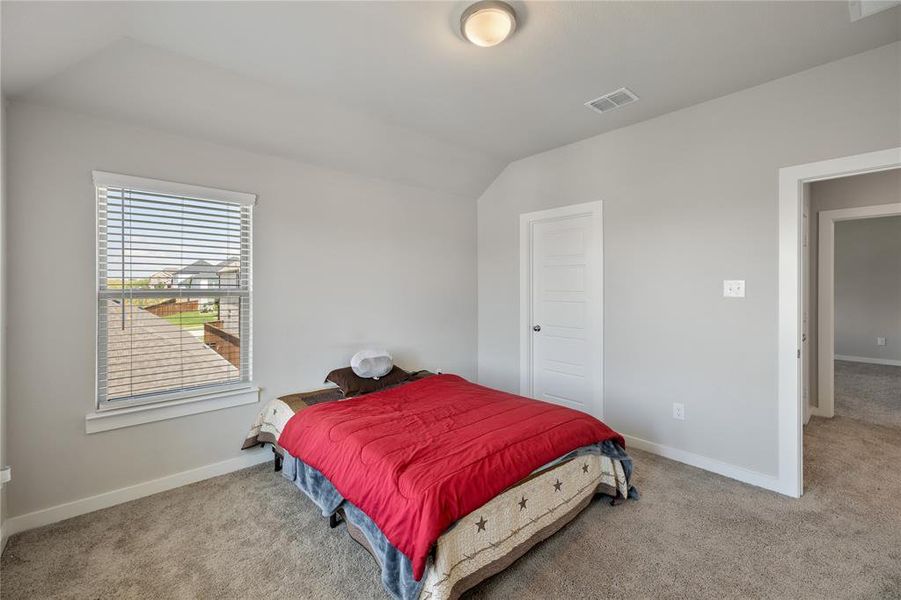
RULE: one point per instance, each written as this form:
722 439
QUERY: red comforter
420 456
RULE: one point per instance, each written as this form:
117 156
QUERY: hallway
868 392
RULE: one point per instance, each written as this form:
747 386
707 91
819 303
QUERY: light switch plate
733 288
880 341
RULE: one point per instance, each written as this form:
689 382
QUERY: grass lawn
192 320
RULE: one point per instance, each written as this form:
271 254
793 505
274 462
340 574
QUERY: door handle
536 328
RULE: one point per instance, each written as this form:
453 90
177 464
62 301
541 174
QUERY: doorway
792 335
561 306
858 306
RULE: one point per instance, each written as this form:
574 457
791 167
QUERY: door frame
790 391
806 242
826 297
526 223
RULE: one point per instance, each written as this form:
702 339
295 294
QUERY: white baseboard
872 361
68 510
816 411
754 478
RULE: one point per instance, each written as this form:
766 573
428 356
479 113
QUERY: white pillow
371 364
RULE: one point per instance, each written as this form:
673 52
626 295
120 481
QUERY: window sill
118 418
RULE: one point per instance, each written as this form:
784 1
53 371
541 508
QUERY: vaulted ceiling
389 89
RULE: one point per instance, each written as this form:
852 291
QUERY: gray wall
846 192
690 199
868 288
340 262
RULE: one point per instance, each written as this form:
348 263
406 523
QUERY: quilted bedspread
418 457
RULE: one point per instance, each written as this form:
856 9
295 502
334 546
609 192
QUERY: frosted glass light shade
488 23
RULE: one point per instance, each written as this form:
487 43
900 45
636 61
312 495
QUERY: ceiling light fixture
488 23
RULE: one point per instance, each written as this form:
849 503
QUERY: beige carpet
693 535
868 392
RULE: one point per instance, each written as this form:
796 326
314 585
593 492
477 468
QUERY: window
173 290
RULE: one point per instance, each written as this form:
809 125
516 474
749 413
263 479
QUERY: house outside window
173 290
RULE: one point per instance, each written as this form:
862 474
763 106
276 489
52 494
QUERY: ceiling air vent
612 101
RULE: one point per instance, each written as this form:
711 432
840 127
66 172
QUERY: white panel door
805 303
566 310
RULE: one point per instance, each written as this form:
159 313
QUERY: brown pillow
352 384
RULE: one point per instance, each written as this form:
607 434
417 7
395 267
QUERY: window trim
185 401
107 179
127 416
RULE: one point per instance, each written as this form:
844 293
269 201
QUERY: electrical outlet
678 411
733 288
880 341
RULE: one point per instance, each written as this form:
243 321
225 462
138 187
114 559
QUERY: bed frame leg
276 460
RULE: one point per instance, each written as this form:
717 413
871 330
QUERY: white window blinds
173 289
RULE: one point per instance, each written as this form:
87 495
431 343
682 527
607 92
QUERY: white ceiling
391 90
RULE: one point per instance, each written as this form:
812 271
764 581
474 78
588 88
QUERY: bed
444 482
271 420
